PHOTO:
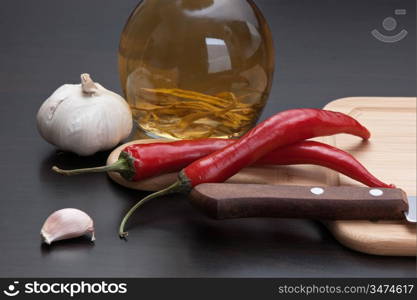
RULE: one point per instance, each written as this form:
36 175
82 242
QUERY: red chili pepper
315 153
282 129
139 161
161 158
148 161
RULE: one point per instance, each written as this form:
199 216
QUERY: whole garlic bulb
84 118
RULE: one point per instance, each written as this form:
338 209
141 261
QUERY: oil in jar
197 68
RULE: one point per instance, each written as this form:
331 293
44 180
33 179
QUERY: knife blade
225 201
410 215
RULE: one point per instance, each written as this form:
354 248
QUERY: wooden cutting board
390 155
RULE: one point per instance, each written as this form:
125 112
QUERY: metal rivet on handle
317 190
376 192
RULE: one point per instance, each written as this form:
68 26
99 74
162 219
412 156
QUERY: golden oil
196 68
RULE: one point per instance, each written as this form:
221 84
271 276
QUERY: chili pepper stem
178 186
183 184
119 166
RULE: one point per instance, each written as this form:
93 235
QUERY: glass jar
196 68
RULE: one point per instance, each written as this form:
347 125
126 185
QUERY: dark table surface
324 52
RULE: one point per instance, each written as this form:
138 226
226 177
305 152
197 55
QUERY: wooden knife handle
225 201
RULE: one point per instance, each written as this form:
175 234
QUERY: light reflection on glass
218 55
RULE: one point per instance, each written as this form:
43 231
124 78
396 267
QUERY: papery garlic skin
84 118
65 224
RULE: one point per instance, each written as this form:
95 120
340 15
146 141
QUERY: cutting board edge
348 103
364 244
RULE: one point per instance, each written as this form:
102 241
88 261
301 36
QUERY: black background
324 51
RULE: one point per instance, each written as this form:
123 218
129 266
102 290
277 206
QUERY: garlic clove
65 224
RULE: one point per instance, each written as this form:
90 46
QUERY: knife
226 201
